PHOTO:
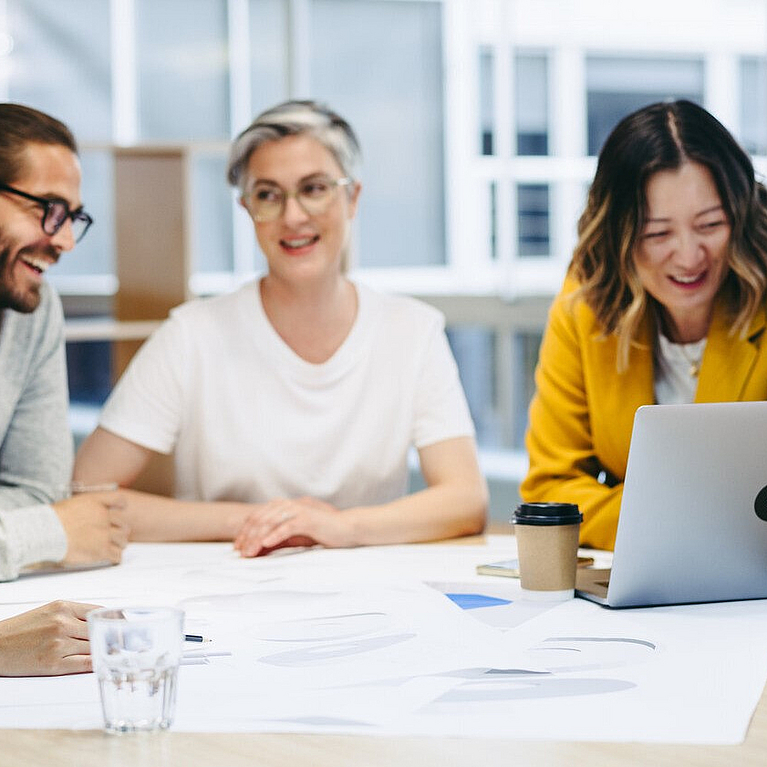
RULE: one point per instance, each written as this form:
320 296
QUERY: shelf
89 329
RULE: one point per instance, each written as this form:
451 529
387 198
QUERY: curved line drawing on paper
479 672
627 640
311 656
230 575
323 628
497 690
559 655
257 601
569 654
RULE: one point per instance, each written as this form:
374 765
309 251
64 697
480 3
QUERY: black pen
195 638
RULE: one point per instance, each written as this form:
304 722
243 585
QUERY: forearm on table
159 518
441 511
600 517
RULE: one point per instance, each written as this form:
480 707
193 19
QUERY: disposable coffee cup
547 548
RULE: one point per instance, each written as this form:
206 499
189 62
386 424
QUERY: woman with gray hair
292 403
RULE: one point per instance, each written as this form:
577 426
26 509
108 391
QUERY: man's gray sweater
36 449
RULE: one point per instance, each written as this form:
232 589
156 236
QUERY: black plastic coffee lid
547 514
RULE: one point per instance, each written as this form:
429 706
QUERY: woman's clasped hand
293 522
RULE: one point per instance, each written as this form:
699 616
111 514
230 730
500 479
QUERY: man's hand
50 640
96 528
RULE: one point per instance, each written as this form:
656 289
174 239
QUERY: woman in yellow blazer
664 303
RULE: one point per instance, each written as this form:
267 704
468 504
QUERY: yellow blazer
582 413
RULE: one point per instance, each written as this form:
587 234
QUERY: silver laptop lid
688 529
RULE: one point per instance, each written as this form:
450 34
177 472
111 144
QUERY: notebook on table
693 518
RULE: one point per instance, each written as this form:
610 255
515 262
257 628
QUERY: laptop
693 519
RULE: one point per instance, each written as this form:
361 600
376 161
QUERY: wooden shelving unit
153 212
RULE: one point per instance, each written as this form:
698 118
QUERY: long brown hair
658 137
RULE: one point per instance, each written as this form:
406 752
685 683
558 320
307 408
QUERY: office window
183 70
211 198
486 100
526 347
94 255
473 347
498 404
62 66
268 55
89 365
619 86
531 98
753 104
380 65
533 220
493 191
60 62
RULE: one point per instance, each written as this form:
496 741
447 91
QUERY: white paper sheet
363 641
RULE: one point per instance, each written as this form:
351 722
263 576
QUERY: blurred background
479 120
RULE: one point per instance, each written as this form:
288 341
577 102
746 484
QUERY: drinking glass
136 653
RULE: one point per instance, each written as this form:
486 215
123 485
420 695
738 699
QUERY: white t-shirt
250 420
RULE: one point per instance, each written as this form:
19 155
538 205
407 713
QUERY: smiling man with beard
41 217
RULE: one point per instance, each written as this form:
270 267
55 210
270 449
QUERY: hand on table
292 522
96 527
50 640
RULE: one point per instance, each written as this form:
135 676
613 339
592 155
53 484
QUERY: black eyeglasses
55 214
